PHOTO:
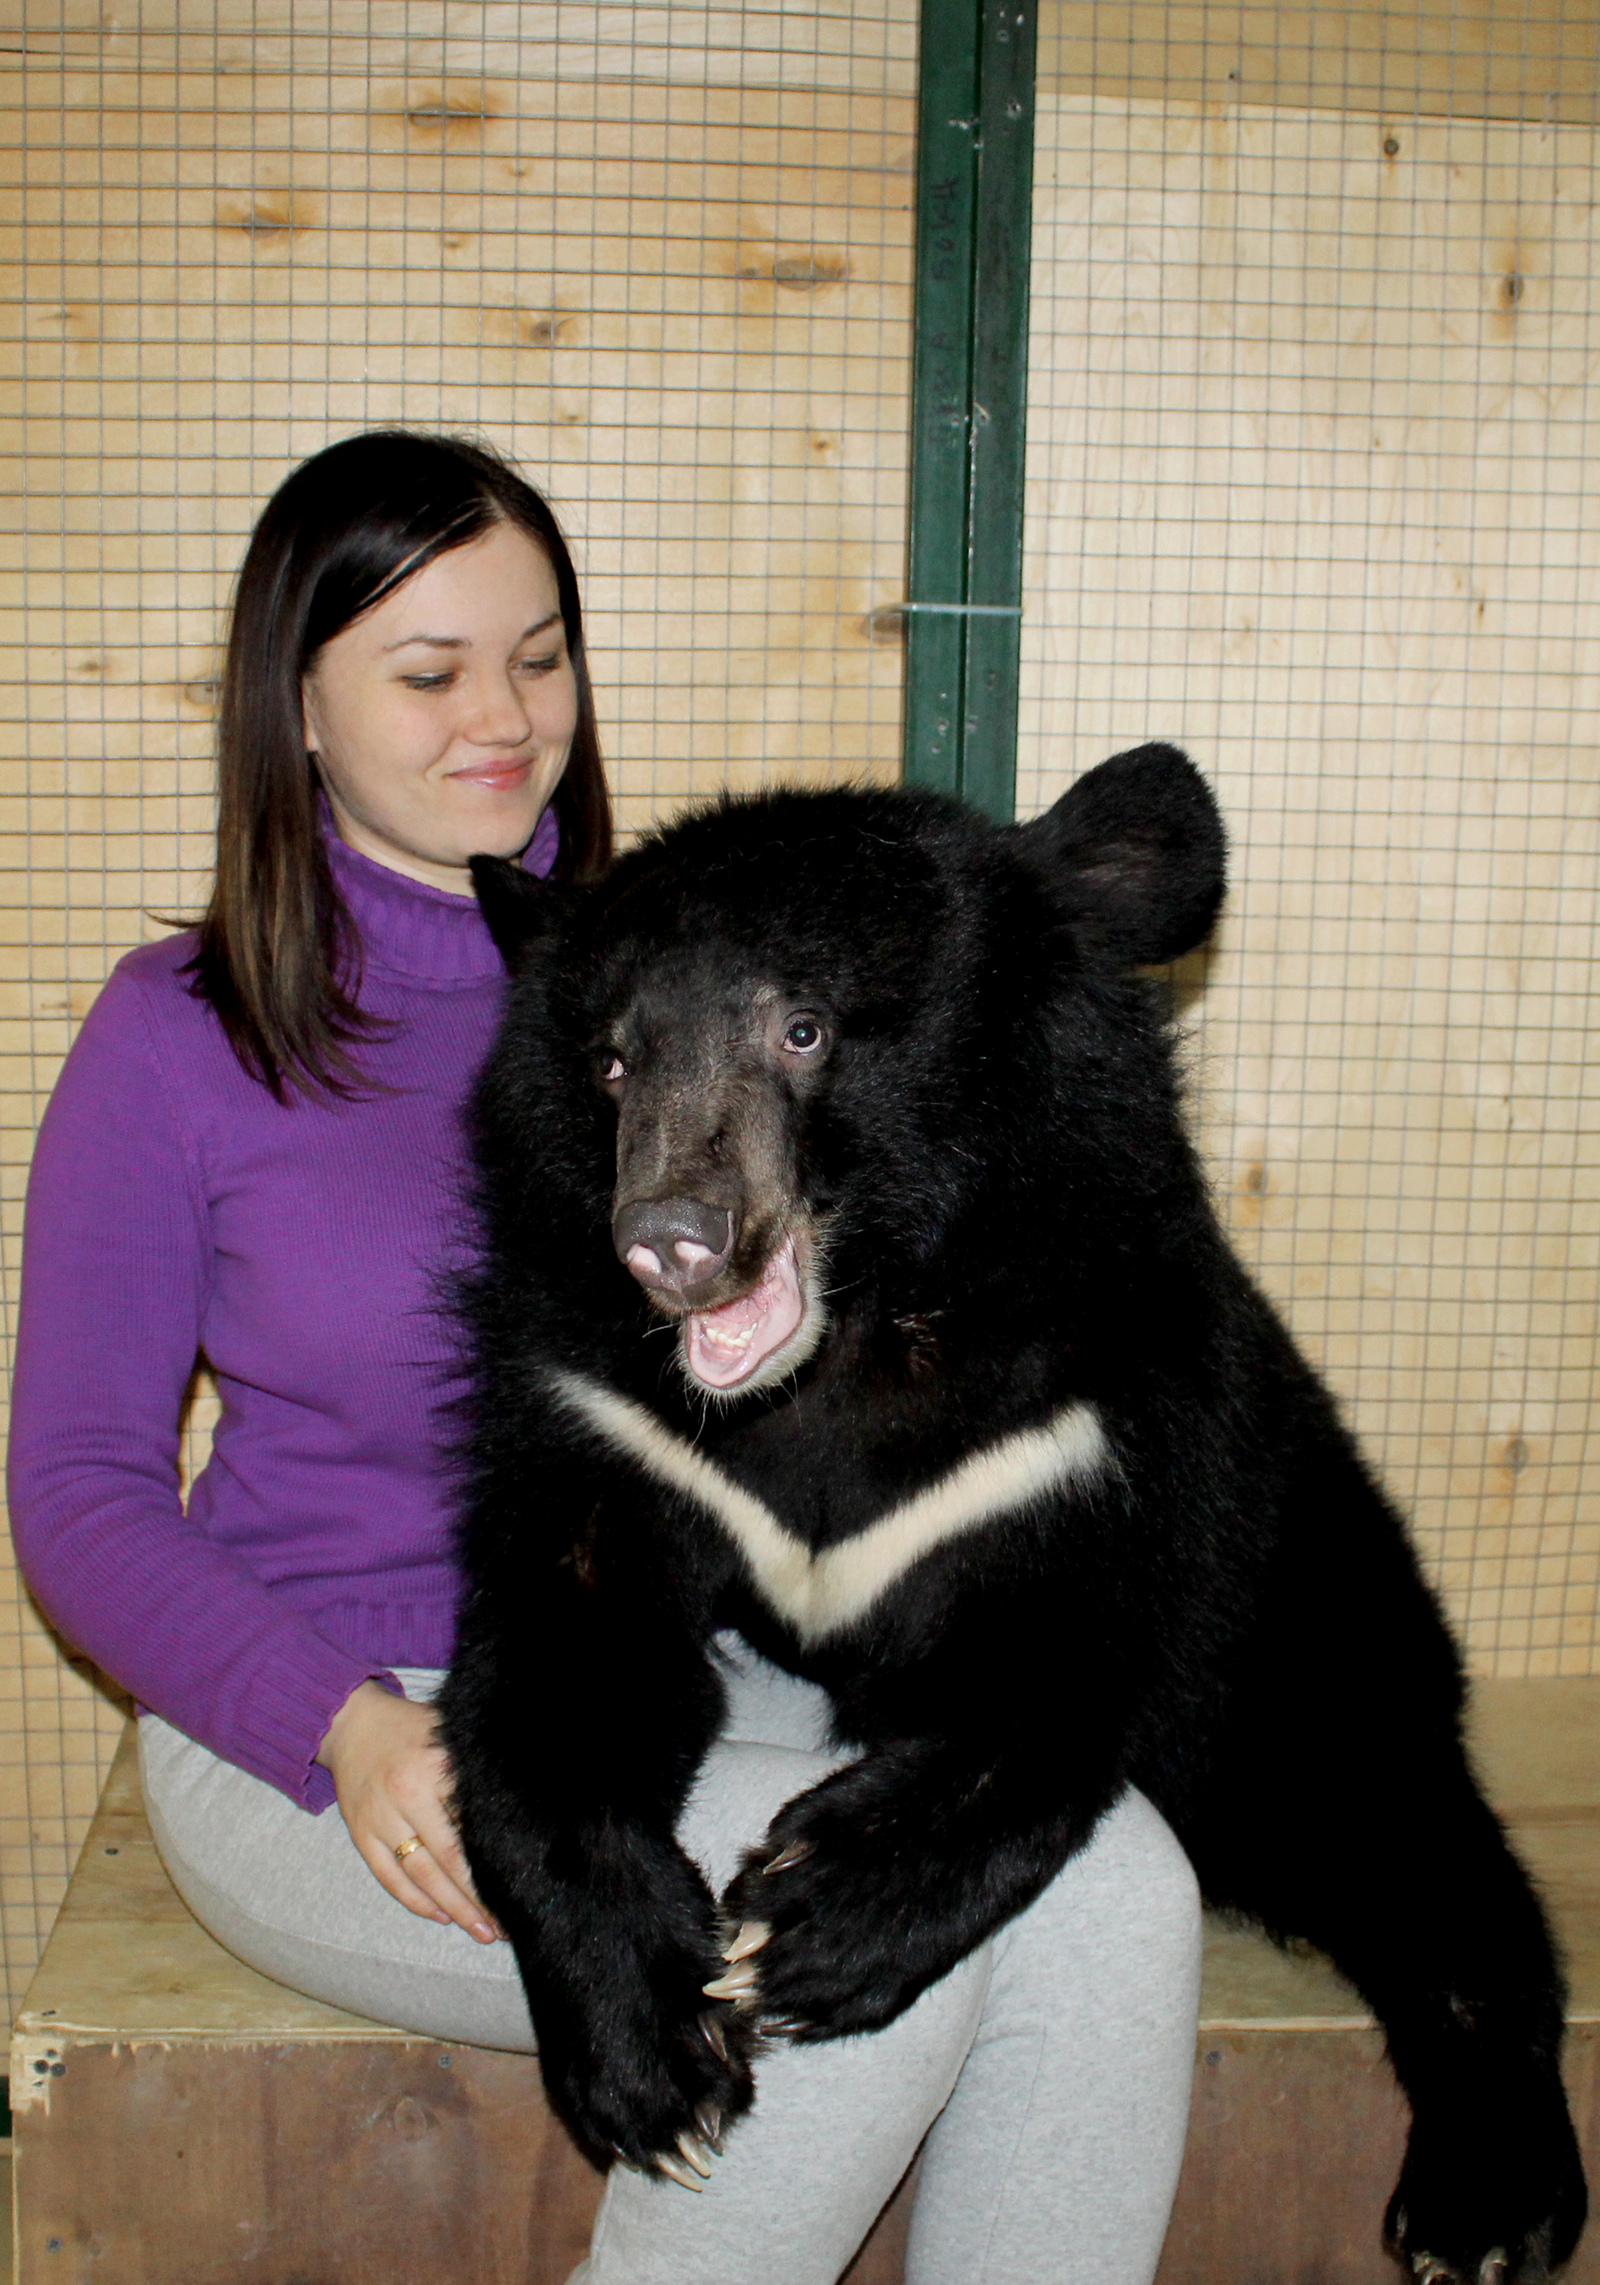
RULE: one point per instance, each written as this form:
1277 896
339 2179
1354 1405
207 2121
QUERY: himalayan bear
847 1279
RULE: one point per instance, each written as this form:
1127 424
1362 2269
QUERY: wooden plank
358 2160
1437 58
1304 497
362 2163
1294 2144
753 45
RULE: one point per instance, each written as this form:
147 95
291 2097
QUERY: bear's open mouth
724 1348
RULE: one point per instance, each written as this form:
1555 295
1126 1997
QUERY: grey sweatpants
1048 2073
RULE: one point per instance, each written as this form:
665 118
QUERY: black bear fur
917 1040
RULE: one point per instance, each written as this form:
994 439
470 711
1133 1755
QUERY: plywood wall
607 239
1312 490
1529 60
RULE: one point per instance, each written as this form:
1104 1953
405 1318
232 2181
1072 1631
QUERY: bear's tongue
724 1346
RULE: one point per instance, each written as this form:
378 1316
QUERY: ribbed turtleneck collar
418 931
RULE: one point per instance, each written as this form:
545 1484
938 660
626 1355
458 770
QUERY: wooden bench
180 2120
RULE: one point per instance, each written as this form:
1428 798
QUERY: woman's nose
499 715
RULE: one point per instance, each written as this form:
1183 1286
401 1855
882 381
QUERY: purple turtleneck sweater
176 1210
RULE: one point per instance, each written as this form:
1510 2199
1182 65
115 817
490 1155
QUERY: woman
255 1153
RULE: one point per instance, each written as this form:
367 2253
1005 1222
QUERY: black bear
849 1280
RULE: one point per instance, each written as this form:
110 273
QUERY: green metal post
941 390
969 388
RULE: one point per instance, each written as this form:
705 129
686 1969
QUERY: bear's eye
802 1035
611 1067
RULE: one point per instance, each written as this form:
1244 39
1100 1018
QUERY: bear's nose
673 1244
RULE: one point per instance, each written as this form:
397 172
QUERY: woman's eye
612 1068
428 681
802 1035
535 667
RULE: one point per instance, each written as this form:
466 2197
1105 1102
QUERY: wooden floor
167 2100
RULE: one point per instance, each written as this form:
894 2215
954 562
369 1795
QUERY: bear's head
805 1054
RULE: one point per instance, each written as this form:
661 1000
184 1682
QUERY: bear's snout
674 1245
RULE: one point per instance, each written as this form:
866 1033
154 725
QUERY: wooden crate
180 2120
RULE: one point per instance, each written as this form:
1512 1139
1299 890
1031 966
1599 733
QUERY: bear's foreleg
1460 1972
1393 1865
576 1713
872 1885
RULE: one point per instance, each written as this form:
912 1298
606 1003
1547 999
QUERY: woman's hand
390 1775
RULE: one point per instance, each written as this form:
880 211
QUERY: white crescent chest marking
820 1593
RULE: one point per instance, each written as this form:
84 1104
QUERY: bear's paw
1491 2193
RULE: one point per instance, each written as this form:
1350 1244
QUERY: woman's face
441 720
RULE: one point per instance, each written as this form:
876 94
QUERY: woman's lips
495 777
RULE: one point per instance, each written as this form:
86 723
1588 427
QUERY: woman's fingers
391 1874
450 1857
392 1781
439 1870
424 1888
440 1865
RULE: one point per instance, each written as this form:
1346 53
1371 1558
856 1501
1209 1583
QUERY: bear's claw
676 2171
696 2154
737 1984
750 1938
1429 2269
795 1853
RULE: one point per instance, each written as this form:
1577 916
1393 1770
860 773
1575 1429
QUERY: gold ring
403 1849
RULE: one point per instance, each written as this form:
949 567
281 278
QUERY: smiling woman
441 719
407 651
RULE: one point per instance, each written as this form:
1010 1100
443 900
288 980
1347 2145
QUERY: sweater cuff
283 1714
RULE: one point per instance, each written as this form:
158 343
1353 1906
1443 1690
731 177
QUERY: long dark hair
278 957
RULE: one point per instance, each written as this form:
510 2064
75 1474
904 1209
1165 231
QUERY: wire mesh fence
1310 492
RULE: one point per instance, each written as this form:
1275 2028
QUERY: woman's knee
1164 1890
1131 1891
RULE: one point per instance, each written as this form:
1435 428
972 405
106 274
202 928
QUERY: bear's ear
518 906
1138 852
